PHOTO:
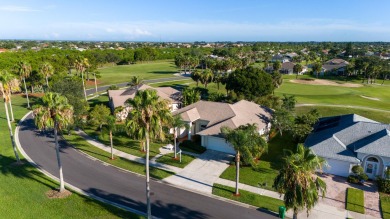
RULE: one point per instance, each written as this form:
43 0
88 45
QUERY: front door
371 169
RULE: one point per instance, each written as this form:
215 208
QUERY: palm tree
148 115
297 69
54 112
3 89
317 67
196 75
297 182
206 77
47 70
81 64
190 96
11 85
135 81
111 126
246 141
24 69
177 124
96 74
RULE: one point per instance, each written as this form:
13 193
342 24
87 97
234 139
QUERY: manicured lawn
355 200
101 99
385 205
147 70
267 168
322 94
23 188
85 147
333 111
168 159
250 198
123 143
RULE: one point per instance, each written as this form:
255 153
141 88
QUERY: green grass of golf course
147 70
23 188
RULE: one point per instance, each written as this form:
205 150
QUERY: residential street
124 188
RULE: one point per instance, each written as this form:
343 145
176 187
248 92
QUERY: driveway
202 172
336 194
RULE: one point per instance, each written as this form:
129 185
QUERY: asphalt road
122 187
104 88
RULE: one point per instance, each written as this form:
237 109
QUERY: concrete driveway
202 172
336 194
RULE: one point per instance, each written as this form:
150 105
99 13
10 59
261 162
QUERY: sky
196 20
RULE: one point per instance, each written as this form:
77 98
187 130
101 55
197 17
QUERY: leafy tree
297 181
282 120
206 76
288 102
149 115
190 96
23 69
298 68
5 83
98 115
276 66
177 124
54 112
247 142
250 82
317 67
277 79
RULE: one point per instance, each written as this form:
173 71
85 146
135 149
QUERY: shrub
353 179
193 146
357 169
113 87
383 185
363 176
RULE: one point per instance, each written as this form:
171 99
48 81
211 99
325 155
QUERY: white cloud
14 8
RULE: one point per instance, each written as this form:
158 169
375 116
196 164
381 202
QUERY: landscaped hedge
188 144
383 185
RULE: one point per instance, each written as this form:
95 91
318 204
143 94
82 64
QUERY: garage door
218 144
337 167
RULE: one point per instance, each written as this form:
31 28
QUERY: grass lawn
260 201
321 94
333 111
147 70
355 200
23 188
385 205
101 99
267 168
168 159
85 147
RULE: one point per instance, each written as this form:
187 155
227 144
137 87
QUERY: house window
203 127
372 159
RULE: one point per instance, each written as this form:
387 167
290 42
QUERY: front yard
355 200
265 171
385 205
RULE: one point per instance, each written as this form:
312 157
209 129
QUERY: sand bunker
324 82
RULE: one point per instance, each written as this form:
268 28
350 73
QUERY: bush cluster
191 145
358 175
383 184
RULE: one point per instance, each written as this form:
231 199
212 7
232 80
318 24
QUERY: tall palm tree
135 81
3 89
297 69
54 112
177 124
96 74
111 126
196 75
149 114
317 67
46 70
246 141
11 85
23 69
297 182
190 96
81 65
206 77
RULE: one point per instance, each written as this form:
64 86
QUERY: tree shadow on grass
163 72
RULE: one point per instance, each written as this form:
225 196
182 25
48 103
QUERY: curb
70 186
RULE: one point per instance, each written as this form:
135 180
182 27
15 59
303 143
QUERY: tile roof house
205 118
335 66
117 98
348 140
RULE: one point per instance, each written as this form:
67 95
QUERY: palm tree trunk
25 88
149 210
82 78
295 214
62 186
112 146
237 172
95 84
174 140
11 134
47 81
11 110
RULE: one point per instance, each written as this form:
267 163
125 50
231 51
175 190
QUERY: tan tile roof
224 114
119 97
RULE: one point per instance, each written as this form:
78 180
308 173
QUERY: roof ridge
339 141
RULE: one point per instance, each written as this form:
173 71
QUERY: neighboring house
206 118
117 98
348 140
281 58
334 66
287 68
